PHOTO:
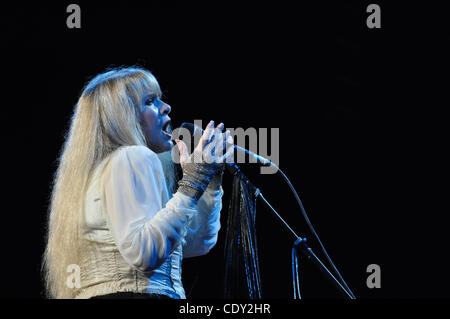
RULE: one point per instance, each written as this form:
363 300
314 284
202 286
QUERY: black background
357 110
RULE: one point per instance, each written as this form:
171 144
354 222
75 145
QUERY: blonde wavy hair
106 117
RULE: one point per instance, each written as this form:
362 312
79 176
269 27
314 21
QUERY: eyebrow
159 96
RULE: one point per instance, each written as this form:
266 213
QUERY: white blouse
137 235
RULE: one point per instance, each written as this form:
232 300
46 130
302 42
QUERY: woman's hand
210 152
211 147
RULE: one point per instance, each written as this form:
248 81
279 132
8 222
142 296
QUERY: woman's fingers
213 144
228 139
229 155
216 139
227 146
207 134
182 148
220 127
223 147
219 142
219 145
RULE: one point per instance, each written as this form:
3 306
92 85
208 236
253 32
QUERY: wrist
196 178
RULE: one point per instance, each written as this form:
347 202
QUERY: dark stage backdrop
348 101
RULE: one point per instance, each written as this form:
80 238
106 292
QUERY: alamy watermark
258 143
73 21
74 279
374 279
373 21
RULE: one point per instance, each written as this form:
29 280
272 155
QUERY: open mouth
166 129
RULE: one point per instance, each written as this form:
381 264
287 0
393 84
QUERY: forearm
147 245
205 225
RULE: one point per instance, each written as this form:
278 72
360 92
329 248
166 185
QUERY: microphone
194 129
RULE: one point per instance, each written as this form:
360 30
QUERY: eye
150 100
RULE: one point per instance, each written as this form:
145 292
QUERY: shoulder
135 157
135 152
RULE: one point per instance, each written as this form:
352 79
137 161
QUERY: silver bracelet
196 177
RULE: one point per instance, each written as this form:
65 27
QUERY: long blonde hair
106 117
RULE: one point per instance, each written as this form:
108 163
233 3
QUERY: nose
165 109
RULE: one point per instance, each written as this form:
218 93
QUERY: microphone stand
300 243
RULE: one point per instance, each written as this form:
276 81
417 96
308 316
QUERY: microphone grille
192 128
188 126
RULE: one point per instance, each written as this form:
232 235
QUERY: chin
166 146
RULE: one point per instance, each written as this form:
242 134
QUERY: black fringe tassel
242 275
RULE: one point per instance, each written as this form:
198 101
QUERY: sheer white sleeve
204 227
145 232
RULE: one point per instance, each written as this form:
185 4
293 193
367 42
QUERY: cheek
149 119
